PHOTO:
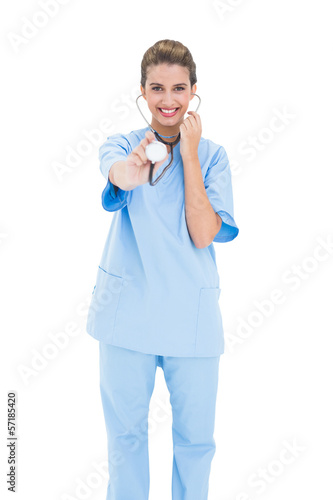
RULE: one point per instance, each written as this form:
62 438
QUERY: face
168 94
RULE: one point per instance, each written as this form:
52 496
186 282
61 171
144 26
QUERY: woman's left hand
190 134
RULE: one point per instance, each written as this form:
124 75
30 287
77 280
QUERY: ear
193 90
143 92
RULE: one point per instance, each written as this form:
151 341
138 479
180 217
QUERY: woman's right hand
137 163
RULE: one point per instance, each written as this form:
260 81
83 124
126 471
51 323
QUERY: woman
155 302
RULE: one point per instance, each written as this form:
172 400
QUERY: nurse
155 300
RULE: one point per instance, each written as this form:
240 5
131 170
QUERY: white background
255 58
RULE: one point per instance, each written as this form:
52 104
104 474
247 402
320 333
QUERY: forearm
202 221
118 177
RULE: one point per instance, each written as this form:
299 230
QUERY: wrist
190 156
118 176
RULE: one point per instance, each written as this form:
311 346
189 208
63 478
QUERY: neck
165 130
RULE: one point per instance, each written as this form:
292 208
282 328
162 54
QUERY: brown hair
169 52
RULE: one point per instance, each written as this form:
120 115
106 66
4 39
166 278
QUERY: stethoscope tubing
159 138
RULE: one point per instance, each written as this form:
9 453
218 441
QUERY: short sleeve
116 148
218 187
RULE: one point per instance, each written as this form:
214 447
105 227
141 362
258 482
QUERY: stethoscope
156 150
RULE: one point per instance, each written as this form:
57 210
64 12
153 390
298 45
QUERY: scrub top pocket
209 332
104 304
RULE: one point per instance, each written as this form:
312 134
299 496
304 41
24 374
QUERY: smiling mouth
168 112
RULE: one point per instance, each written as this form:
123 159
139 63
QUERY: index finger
196 116
150 136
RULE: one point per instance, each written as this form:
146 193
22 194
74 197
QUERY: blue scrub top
156 292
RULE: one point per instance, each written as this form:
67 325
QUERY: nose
167 100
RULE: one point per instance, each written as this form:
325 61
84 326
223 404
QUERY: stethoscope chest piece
156 151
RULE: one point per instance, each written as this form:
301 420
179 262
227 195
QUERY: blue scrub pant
127 380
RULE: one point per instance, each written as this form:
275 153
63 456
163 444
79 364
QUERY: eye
155 88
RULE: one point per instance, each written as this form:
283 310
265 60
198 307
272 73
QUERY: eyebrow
161 84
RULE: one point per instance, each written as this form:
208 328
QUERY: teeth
168 110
